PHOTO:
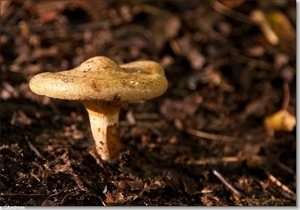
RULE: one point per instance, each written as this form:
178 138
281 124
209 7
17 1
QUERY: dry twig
213 161
220 177
34 149
210 136
286 95
252 62
284 190
221 8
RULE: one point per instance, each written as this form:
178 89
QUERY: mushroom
104 87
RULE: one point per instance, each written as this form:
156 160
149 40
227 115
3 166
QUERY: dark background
224 78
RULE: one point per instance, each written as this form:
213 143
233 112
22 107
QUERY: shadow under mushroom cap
100 78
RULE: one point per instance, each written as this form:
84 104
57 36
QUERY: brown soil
202 143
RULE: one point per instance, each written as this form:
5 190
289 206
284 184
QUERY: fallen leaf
281 120
285 31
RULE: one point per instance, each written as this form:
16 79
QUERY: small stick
252 62
4 176
272 189
219 176
33 148
284 188
261 21
286 95
212 161
78 182
221 8
210 136
285 167
38 179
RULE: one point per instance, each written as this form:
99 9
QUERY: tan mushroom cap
100 78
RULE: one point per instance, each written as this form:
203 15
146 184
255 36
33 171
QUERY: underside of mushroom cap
100 78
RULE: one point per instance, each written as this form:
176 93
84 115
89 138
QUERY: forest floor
202 143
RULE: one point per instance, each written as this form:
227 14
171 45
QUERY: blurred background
230 106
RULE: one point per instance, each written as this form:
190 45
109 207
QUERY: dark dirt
202 143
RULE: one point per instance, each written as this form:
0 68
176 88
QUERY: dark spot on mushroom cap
94 86
89 61
117 97
88 69
67 79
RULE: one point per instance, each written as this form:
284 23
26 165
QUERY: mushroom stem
104 121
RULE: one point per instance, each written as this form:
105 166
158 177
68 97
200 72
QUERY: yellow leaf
281 120
285 31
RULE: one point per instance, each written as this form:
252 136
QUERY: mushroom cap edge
105 80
